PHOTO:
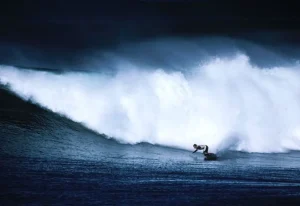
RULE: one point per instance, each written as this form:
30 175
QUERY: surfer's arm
195 150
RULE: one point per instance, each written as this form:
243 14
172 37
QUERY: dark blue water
168 177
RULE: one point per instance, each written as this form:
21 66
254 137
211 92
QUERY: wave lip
225 103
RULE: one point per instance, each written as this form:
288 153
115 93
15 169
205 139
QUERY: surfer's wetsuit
202 147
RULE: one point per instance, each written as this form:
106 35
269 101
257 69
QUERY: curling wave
226 103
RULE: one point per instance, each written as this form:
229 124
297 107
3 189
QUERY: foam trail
225 103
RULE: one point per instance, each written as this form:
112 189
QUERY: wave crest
224 103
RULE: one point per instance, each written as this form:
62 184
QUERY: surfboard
210 156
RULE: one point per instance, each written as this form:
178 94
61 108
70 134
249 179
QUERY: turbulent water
135 127
223 103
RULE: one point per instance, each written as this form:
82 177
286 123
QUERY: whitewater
225 102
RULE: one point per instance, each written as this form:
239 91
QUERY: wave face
226 103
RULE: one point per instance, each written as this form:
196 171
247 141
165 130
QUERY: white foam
225 103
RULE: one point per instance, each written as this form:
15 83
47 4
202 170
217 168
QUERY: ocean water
125 137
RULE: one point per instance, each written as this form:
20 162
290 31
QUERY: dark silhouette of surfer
201 147
208 156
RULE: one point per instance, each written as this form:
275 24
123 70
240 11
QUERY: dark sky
80 23
92 24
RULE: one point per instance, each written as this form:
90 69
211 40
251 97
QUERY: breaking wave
226 103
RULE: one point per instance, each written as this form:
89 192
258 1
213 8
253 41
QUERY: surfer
208 156
201 147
